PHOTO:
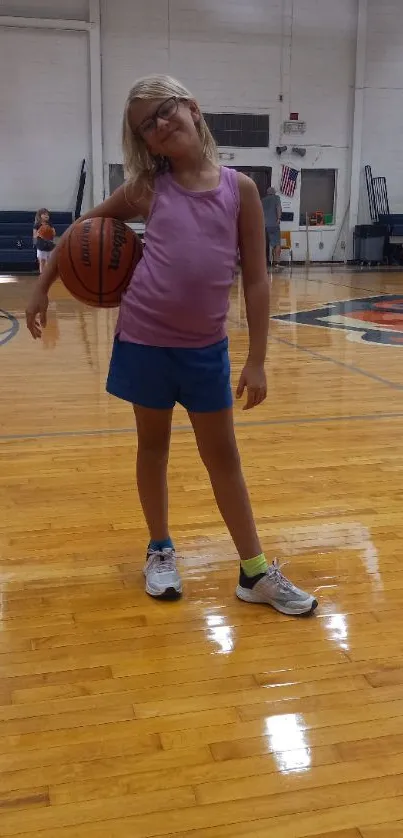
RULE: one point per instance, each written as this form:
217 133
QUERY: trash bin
369 243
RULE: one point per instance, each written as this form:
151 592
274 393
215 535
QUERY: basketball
97 260
46 232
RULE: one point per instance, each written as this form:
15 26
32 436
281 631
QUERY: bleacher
394 222
385 224
17 254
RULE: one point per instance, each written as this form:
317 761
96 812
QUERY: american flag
288 181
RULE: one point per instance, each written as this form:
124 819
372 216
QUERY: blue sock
161 545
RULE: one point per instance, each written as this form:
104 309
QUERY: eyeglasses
166 111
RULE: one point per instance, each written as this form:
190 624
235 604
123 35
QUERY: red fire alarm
294 117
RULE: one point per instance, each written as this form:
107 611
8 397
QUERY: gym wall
234 56
44 107
383 103
67 9
237 56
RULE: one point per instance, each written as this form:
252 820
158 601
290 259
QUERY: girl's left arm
252 246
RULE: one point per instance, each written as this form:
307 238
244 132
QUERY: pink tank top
179 293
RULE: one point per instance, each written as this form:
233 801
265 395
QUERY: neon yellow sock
251 567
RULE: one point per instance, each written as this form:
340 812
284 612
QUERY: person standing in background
272 216
43 235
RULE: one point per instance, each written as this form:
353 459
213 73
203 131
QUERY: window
260 174
318 192
116 176
239 130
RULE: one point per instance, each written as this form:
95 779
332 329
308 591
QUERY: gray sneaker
274 589
162 578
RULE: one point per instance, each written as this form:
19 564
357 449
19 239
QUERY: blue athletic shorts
158 377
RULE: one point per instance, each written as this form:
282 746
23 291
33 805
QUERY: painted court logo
370 319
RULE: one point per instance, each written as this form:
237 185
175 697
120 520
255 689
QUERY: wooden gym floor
122 717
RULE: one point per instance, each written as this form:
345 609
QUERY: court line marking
257 423
350 367
295 420
367 291
13 326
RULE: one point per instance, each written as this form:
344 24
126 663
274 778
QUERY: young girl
43 235
170 344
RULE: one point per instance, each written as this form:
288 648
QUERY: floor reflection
287 741
220 634
325 538
336 627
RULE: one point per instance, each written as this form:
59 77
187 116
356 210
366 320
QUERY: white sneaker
162 578
276 590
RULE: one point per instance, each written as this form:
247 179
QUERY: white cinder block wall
67 9
227 53
44 117
44 107
322 80
134 42
242 57
265 56
383 102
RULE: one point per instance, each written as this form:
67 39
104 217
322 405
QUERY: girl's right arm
128 201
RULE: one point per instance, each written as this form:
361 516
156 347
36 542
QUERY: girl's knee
221 457
154 450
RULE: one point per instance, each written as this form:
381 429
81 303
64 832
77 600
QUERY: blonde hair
138 162
39 213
